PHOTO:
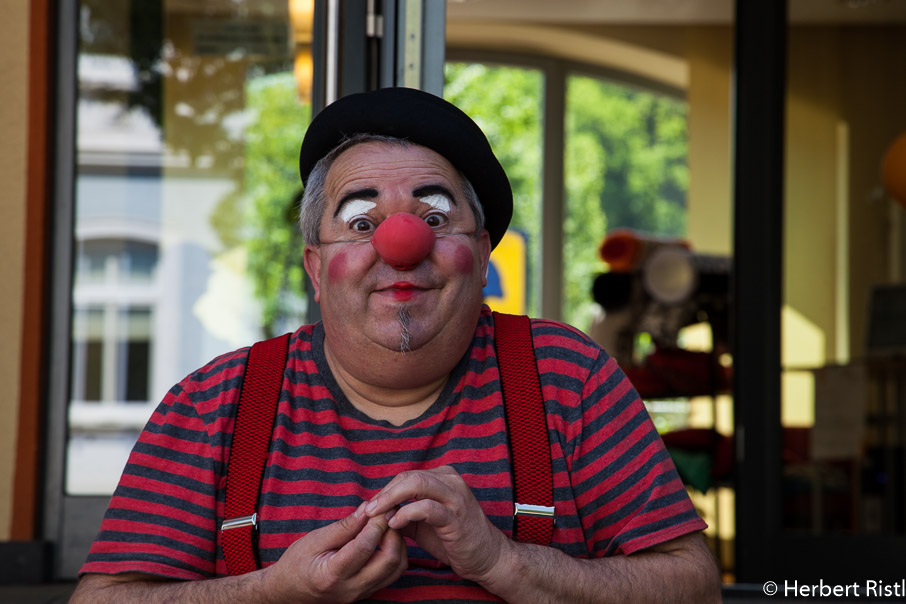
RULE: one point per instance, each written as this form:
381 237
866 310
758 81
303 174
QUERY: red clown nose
403 240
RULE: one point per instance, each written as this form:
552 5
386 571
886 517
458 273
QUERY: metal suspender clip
536 511
240 522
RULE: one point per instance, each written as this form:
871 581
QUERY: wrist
269 585
506 569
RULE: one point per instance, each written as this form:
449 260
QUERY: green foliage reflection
274 244
506 102
624 161
625 168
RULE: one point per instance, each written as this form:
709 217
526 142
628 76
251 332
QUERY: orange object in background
624 250
893 169
621 250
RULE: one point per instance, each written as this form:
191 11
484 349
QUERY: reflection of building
145 256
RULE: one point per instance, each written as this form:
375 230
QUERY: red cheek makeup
464 259
337 268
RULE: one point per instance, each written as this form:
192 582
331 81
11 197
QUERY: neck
396 387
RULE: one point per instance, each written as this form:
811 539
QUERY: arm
680 570
447 521
342 562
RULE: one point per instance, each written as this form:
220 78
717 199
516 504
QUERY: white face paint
437 201
356 207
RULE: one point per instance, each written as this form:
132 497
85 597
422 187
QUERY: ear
484 255
312 262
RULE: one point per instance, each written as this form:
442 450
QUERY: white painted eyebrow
438 201
354 207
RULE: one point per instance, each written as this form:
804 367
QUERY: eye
436 220
361 225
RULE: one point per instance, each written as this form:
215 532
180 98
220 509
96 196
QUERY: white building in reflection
155 294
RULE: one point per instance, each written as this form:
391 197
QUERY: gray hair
314 198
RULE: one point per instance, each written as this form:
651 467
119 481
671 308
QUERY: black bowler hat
426 120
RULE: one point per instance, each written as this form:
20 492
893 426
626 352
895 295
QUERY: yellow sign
507 287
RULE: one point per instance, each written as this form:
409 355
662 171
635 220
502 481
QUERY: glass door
177 189
843 388
820 298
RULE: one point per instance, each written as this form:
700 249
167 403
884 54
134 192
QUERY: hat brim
424 119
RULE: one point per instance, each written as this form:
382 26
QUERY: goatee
405 319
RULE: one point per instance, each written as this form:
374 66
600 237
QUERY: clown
389 475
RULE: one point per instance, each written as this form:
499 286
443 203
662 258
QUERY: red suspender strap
527 427
251 440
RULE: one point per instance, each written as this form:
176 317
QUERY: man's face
365 301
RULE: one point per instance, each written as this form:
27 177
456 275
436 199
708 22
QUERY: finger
414 485
352 557
389 562
428 511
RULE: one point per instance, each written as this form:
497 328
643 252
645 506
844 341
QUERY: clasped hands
364 552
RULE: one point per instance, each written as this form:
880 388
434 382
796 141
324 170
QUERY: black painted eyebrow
360 194
427 190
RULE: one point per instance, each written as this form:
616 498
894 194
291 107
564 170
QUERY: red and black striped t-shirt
615 488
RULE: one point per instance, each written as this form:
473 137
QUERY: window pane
115 260
133 352
189 120
843 409
660 307
625 167
87 350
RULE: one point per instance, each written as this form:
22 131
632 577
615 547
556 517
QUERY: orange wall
14 39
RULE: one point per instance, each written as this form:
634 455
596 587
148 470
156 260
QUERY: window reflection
189 120
626 168
113 261
507 102
111 354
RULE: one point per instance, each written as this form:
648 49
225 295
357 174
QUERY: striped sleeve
162 518
627 492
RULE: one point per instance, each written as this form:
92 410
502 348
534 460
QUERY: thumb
337 534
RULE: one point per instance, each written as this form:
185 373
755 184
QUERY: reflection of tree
506 103
625 160
274 243
625 167
641 138
133 30
192 98
222 114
